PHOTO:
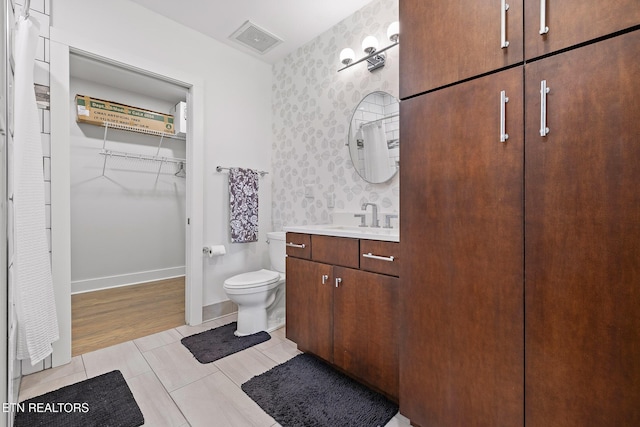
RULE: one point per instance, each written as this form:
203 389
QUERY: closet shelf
109 125
136 156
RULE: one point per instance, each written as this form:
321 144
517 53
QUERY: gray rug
214 344
307 392
102 401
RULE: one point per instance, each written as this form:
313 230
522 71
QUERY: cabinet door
582 234
571 22
447 41
310 306
365 328
461 198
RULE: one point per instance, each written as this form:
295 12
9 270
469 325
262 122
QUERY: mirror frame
353 143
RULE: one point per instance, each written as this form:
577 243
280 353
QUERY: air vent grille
255 38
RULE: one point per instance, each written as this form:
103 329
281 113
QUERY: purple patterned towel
243 205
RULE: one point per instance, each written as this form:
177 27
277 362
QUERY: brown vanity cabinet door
582 234
310 306
571 22
444 42
461 198
341 251
365 329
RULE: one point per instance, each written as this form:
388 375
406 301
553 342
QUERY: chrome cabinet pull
325 277
378 257
544 90
543 18
338 281
503 125
295 245
503 25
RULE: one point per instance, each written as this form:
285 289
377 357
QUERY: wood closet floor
104 318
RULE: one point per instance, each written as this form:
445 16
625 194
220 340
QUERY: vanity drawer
341 251
298 245
380 257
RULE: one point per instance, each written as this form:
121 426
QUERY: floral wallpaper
313 176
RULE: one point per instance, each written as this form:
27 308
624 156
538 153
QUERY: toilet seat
253 279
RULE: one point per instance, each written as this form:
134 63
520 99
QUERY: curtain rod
220 169
380 119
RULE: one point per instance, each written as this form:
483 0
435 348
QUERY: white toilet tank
277 250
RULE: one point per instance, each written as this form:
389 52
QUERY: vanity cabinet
342 314
520 258
448 42
582 234
571 22
309 306
462 356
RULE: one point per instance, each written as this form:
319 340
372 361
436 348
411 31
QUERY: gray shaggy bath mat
307 392
214 344
105 400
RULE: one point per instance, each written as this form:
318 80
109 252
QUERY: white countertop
355 232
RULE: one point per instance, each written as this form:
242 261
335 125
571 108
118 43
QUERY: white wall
237 107
312 107
127 226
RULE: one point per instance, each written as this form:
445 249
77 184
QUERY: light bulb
393 32
370 44
347 55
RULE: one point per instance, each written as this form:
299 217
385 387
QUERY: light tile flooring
171 387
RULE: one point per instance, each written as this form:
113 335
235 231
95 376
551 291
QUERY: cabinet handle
338 281
503 125
325 277
543 18
503 25
544 90
378 257
295 245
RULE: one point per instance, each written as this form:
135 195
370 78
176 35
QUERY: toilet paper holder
214 250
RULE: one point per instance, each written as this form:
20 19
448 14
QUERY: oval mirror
374 137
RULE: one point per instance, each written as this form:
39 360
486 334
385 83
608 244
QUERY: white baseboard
213 311
100 283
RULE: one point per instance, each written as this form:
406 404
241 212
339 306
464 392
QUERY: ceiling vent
255 38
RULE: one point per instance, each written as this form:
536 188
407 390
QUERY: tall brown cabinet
521 274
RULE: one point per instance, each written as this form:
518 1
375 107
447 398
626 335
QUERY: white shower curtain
376 152
33 284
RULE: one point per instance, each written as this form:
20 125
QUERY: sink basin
387 234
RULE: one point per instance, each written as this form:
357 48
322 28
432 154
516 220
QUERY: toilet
260 295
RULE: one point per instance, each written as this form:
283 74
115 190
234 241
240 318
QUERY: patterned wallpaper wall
313 176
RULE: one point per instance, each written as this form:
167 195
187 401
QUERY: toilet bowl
260 294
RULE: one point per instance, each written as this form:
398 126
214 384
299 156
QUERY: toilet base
251 320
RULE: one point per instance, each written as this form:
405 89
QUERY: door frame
62 45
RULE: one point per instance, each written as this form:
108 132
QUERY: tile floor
171 387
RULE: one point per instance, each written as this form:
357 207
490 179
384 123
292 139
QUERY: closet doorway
133 213
128 205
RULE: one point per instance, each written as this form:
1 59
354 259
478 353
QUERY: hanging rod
380 119
220 169
133 156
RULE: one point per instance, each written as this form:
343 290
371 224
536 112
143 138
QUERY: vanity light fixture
375 57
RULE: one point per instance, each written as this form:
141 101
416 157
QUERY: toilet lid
252 278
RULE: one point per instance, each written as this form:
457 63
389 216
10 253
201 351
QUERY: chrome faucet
375 223
387 220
